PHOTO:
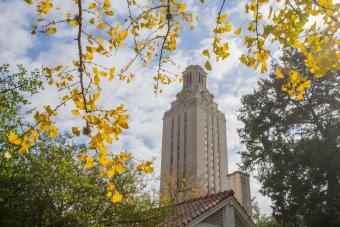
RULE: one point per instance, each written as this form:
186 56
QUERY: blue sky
228 81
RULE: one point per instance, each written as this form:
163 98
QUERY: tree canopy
293 146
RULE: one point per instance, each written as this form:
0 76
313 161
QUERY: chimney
239 183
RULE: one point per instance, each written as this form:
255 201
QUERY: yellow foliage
109 194
279 74
23 150
75 113
222 18
76 131
50 31
101 25
207 65
14 139
238 31
53 131
122 35
206 53
93 5
125 157
116 197
89 162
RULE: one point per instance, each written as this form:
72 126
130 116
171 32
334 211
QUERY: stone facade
194 146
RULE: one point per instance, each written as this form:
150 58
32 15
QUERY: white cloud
14 35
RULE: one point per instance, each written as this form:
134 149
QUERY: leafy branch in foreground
310 26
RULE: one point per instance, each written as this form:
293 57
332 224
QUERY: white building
194 152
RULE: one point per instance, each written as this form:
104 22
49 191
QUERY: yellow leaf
251 27
74 23
110 187
23 150
149 170
228 27
96 80
111 74
305 85
53 132
116 197
29 1
75 113
222 18
122 35
100 40
149 55
238 31
109 194
50 31
101 25
110 173
123 124
92 5
119 168
80 105
75 62
89 162
300 97
103 73
76 131
207 66
13 138
109 13
91 21
58 68
291 93
124 156
206 53
181 7
279 74
264 67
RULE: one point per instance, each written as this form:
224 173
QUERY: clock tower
194 147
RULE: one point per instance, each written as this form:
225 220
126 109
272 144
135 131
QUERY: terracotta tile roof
189 210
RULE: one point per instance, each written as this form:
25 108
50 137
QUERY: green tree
262 220
50 186
294 145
